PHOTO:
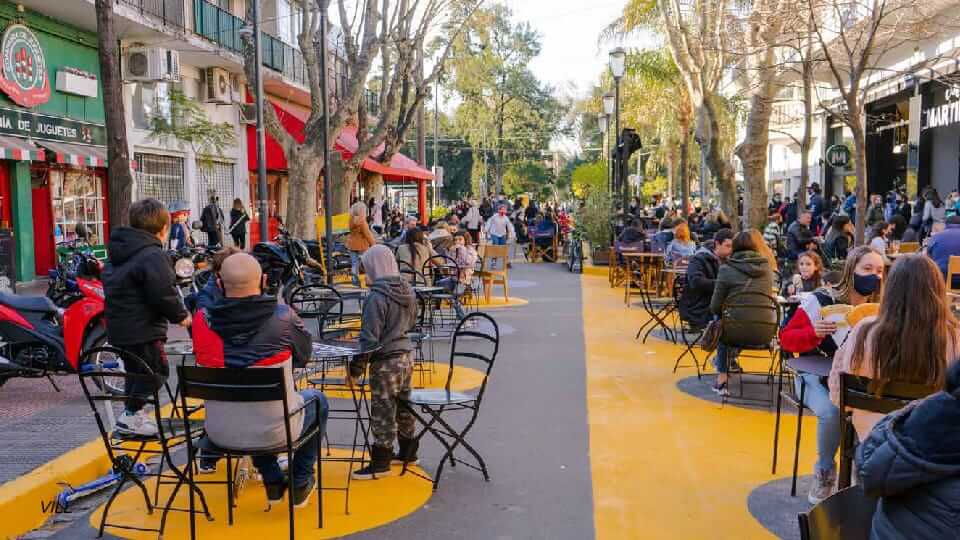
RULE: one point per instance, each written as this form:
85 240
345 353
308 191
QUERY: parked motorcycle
40 340
77 262
287 264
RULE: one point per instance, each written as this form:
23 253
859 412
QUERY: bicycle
574 252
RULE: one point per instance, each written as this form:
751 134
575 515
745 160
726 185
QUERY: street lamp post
609 103
603 121
262 204
327 180
618 58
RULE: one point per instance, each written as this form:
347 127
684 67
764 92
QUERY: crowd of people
914 336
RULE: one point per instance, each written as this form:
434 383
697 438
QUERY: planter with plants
595 220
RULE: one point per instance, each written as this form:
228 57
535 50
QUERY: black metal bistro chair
754 333
100 383
845 515
476 340
320 303
690 332
439 268
858 393
245 386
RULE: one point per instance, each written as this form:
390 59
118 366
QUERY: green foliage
594 217
189 125
439 212
526 177
653 187
589 177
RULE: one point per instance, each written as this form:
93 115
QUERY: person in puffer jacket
389 314
911 461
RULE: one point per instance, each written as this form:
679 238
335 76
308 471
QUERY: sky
570 30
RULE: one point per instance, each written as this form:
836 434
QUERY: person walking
359 240
238 224
211 221
473 221
499 228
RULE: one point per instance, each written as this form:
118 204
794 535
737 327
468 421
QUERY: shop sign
31 125
23 76
946 114
838 156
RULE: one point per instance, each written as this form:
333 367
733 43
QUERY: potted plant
595 220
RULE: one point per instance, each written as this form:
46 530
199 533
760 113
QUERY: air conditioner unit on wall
236 88
217 84
151 64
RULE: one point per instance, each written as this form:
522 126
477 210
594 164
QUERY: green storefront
52 156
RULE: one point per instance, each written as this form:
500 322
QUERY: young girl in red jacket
808 334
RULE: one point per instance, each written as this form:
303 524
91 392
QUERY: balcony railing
167 12
223 28
373 102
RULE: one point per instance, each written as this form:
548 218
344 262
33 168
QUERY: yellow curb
596 270
499 303
21 499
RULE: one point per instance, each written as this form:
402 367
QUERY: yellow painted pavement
666 464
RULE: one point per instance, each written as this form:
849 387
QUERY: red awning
401 168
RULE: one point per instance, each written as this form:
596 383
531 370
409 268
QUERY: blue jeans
355 268
456 289
816 397
306 457
498 240
725 354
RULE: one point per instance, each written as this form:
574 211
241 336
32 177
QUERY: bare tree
305 159
698 39
854 38
119 178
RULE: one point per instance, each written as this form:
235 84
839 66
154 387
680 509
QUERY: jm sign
946 114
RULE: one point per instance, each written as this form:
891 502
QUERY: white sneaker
823 485
138 423
282 462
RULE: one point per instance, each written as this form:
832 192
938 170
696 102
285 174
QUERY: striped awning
75 154
20 149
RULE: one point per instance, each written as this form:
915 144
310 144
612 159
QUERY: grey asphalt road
532 432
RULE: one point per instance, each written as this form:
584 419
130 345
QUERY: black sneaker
373 471
721 389
301 495
275 493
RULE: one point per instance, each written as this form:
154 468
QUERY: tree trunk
753 155
119 178
719 166
303 169
373 185
860 168
672 169
684 177
807 141
343 190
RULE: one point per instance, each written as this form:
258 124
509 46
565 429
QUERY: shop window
160 177
215 178
77 199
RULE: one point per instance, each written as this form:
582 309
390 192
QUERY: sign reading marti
946 114
23 76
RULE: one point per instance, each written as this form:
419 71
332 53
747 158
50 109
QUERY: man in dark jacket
702 272
389 313
247 329
799 236
211 219
911 461
141 298
816 202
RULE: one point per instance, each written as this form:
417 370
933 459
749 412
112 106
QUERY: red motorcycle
40 339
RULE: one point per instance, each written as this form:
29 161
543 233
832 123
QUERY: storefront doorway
43 229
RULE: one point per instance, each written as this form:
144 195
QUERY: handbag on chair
711 336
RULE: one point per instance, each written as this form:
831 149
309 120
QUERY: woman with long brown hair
911 340
763 249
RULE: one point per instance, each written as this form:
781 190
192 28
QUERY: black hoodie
911 460
389 313
140 289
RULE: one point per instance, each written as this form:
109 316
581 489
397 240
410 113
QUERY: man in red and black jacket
247 329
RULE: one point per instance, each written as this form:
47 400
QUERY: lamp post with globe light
603 121
609 104
618 65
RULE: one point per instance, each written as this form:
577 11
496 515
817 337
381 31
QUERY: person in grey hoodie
911 461
389 314
745 271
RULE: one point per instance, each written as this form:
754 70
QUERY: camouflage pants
390 382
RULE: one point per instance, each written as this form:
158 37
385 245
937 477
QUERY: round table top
815 365
334 349
626 253
427 289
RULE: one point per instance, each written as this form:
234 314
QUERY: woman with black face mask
808 334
